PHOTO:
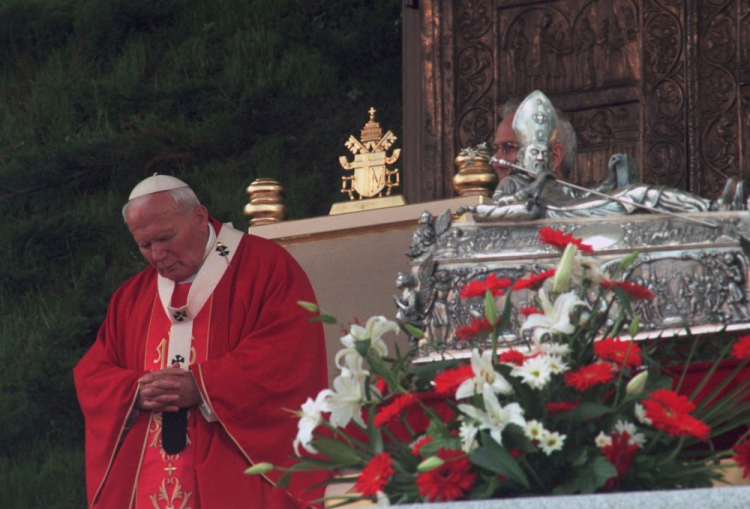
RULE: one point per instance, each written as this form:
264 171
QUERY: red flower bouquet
583 407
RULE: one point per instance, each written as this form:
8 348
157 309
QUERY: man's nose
158 253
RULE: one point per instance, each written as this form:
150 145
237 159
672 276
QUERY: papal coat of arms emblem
371 175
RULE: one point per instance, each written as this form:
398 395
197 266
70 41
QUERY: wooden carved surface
666 81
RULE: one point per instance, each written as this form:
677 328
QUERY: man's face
536 157
171 240
507 146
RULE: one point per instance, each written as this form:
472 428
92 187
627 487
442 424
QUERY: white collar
209 246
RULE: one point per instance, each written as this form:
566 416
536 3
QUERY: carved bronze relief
666 81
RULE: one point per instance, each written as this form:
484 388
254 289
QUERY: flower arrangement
581 408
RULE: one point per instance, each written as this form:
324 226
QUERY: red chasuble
261 356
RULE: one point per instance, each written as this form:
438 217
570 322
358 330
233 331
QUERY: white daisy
640 414
603 440
556 364
534 430
635 438
551 441
534 372
555 348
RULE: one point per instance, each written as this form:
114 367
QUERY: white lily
484 374
495 417
373 331
555 318
561 281
468 433
345 402
310 418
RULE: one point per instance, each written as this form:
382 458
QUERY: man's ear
558 153
201 216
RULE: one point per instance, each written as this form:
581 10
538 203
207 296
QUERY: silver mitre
535 120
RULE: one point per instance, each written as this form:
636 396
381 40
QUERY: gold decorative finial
266 202
475 176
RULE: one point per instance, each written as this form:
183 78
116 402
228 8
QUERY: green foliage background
97 94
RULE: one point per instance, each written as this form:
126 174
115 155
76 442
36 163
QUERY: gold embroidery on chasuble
167 481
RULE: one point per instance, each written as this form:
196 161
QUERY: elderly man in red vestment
199 357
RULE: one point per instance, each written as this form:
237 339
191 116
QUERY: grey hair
184 197
565 135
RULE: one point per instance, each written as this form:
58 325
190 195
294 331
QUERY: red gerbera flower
668 411
447 382
560 240
620 454
512 357
387 413
742 456
634 291
741 348
375 475
534 281
529 310
623 353
555 407
449 481
418 445
588 376
477 326
381 385
479 288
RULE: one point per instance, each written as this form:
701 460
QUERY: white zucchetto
156 184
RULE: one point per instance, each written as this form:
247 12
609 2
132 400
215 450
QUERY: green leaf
381 369
496 458
628 260
325 318
483 492
586 411
588 478
624 300
489 308
514 437
505 318
373 432
310 306
635 325
338 452
413 331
